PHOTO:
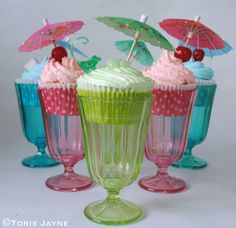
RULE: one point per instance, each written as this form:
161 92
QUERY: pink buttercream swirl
66 72
169 70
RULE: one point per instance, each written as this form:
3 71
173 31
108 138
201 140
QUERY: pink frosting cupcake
66 72
169 70
58 87
174 85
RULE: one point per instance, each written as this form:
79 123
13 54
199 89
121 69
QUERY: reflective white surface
209 202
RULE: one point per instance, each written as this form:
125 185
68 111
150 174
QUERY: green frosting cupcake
114 94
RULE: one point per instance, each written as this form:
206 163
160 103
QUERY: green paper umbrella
141 52
138 30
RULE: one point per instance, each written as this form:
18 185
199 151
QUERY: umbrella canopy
69 47
72 44
130 27
212 52
193 33
141 52
50 34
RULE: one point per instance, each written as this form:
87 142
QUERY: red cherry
183 53
198 54
58 53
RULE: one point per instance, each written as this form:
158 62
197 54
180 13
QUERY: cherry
183 53
198 54
58 53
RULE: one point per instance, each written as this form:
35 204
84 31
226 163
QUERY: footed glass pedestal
32 124
199 125
64 136
114 131
113 211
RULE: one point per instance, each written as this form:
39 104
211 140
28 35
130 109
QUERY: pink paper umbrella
192 32
50 34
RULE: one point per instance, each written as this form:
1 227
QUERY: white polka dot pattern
171 102
60 101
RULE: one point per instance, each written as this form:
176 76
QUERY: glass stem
113 196
188 151
41 150
162 171
68 169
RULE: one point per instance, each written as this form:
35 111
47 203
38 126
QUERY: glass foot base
166 184
39 161
113 212
190 162
68 182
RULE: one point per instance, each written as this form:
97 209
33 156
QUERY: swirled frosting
66 72
34 72
169 70
118 74
199 70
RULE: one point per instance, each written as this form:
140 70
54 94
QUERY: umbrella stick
191 33
132 48
133 55
45 23
142 19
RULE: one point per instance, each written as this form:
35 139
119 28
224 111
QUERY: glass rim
26 81
68 85
203 82
175 87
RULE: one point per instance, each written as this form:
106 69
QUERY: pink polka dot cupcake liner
59 99
173 100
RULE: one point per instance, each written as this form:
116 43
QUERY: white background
210 200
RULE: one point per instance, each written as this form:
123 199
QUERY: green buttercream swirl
118 74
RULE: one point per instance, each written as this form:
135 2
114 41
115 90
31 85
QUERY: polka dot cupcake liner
173 100
59 99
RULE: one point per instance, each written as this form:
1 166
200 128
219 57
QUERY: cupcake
58 86
114 94
33 70
29 82
205 83
174 84
199 70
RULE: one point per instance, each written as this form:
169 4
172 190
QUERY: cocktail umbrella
212 52
141 52
193 33
50 34
71 45
138 30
